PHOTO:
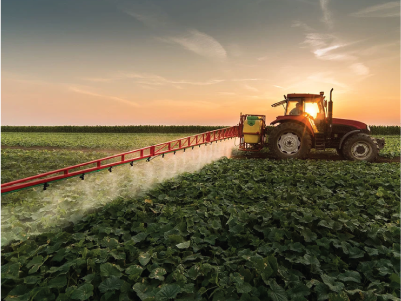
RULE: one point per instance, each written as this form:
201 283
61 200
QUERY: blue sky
195 62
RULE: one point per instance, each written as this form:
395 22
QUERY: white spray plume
56 207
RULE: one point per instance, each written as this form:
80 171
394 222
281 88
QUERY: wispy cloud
323 45
250 88
199 43
280 87
146 80
382 48
192 40
325 77
302 25
326 13
360 69
386 10
122 100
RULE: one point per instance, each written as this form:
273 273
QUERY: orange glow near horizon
93 63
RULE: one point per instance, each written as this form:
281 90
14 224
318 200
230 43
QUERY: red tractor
308 123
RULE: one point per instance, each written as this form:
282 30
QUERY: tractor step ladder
320 141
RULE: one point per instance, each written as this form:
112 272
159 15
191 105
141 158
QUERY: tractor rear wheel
360 147
290 140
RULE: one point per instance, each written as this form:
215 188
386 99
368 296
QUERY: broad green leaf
184 245
394 278
330 282
168 292
352 276
112 283
308 235
107 269
158 274
32 279
144 292
58 282
10 270
298 291
276 292
144 258
83 292
35 263
134 271
139 237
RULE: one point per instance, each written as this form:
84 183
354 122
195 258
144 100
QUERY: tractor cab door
317 111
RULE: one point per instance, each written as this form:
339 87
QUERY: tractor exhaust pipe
330 114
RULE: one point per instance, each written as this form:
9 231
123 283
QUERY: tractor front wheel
360 147
290 140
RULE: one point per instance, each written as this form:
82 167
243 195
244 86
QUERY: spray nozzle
45 186
82 177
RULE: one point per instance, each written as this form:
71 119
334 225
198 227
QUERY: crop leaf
352 276
35 263
83 292
134 271
107 269
144 291
158 274
334 286
144 258
276 292
139 237
110 284
184 245
395 278
10 271
168 292
58 282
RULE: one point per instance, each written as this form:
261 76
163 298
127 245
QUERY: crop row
108 141
236 230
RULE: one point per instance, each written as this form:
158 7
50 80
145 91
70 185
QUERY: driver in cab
297 110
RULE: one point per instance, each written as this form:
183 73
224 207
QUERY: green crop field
107 141
236 230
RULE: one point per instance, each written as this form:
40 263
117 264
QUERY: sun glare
312 109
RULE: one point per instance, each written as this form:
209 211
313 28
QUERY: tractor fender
346 135
296 120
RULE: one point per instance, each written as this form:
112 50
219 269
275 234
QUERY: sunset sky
200 62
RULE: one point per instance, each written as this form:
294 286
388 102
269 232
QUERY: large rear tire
360 147
290 140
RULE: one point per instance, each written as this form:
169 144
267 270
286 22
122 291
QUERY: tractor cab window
292 107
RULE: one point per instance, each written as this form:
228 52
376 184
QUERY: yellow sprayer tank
252 129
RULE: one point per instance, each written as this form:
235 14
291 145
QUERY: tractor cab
310 105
